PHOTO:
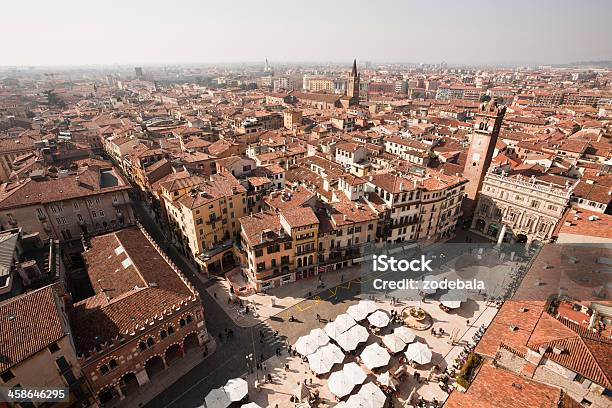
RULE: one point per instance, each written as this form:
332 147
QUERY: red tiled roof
299 216
499 388
28 324
127 293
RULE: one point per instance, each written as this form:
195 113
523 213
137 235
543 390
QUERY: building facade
519 209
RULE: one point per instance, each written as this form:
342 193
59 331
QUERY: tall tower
483 139
352 89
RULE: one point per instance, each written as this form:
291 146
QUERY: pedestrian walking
341 278
215 295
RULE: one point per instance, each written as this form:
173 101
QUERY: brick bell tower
483 139
352 88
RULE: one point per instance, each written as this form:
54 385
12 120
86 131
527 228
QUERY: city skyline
473 33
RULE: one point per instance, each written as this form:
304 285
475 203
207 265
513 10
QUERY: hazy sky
66 32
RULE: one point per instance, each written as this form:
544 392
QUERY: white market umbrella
419 353
393 343
374 396
306 345
386 380
250 405
360 333
369 306
339 384
347 341
375 356
356 312
405 334
456 294
236 389
332 330
319 336
354 373
217 398
451 304
334 353
344 322
379 319
320 362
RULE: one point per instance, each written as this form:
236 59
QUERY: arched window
182 322
142 346
170 329
150 341
104 369
112 364
189 319
163 334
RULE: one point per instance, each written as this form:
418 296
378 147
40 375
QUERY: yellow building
203 215
280 247
321 85
292 118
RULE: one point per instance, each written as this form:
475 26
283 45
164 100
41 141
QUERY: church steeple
354 71
352 89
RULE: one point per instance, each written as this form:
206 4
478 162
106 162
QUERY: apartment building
90 200
37 348
319 84
280 247
416 208
203 215
408 149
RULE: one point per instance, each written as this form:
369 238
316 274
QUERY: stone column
118 389
502 233
142 377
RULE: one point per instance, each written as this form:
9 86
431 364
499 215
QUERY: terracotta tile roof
299 216
28 324
254 225
87 182
392 183
578 221
499 388
132 285
348 212
512 326
582 351
593 192
289 198
220 185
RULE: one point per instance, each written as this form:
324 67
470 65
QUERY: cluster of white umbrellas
397 341
342 382
369 396
420 353
374 356
309 344
324 358
362 309
234 390
350 339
